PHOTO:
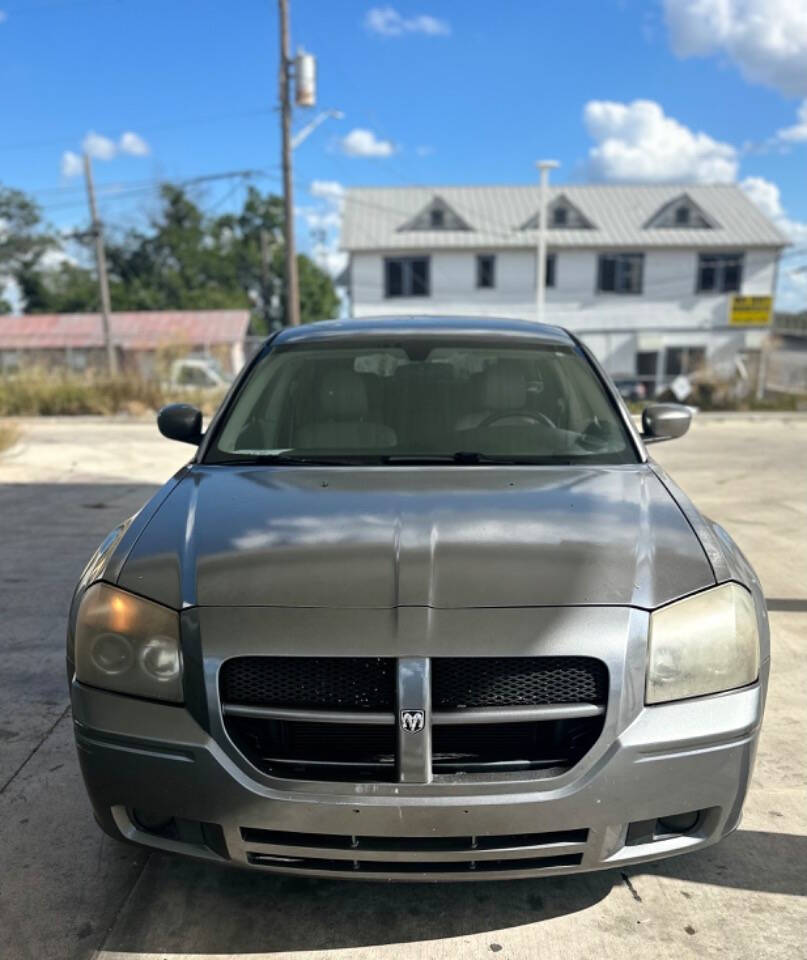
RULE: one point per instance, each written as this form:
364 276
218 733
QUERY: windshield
422 400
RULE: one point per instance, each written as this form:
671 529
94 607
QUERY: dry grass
42 394
9 435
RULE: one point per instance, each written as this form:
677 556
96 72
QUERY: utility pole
544 166
100 259
292 291
266 283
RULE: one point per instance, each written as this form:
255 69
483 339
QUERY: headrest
505 386
343 396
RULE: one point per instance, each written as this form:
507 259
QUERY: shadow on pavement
747 860
197 908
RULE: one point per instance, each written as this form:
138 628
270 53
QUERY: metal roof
140 330
424 325
374 216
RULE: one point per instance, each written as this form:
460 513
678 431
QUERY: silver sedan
421 606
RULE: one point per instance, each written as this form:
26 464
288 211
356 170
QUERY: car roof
426 326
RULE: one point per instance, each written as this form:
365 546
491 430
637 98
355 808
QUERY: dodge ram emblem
412 721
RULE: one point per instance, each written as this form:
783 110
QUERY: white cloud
638 142
766 196
389 23
767 39
324 221
98 146
364 143
424 151
330 189
133 144
328 256
791 289
72 165
791 292
798 132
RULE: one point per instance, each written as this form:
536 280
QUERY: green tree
67 288
23 236
184 260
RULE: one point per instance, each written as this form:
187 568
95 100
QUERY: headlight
128 644
704 644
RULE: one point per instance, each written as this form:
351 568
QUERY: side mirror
181 421
664 421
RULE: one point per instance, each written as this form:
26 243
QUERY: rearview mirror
181 421
664 421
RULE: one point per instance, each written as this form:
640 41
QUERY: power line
126 190
70 138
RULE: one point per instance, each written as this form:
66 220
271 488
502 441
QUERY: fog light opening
156 823
664 828
679 823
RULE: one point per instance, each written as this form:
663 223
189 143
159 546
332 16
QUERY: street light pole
544 166
309 128
292 289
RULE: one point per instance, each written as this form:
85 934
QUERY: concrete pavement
66 891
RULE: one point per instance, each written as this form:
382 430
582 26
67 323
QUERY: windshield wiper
291 459
471 457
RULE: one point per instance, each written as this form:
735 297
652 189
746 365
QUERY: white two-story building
647 276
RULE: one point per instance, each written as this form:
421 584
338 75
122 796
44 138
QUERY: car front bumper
670 759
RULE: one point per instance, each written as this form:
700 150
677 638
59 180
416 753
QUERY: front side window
406 277
620 273
719 272
485 271
428 400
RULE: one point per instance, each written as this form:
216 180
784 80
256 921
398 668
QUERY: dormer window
560 216
436 215
681 213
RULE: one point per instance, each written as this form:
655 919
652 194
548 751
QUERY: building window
550 270
437 218
485 271
406 277
683 360
682 216
620 273
560 217
719 272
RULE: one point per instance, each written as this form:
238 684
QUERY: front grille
340 841
336 718
331 683
340 853
316 751
464 682
409 867
551 746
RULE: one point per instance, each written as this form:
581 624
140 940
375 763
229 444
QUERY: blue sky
438 91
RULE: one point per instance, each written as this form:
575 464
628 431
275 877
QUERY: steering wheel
523 414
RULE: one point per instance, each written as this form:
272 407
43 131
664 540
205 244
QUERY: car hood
384 537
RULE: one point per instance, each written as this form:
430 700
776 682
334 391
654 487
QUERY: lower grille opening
404 866
551 746
316 751
336 841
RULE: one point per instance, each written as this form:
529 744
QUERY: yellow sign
750 311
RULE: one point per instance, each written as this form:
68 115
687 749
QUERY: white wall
668 302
